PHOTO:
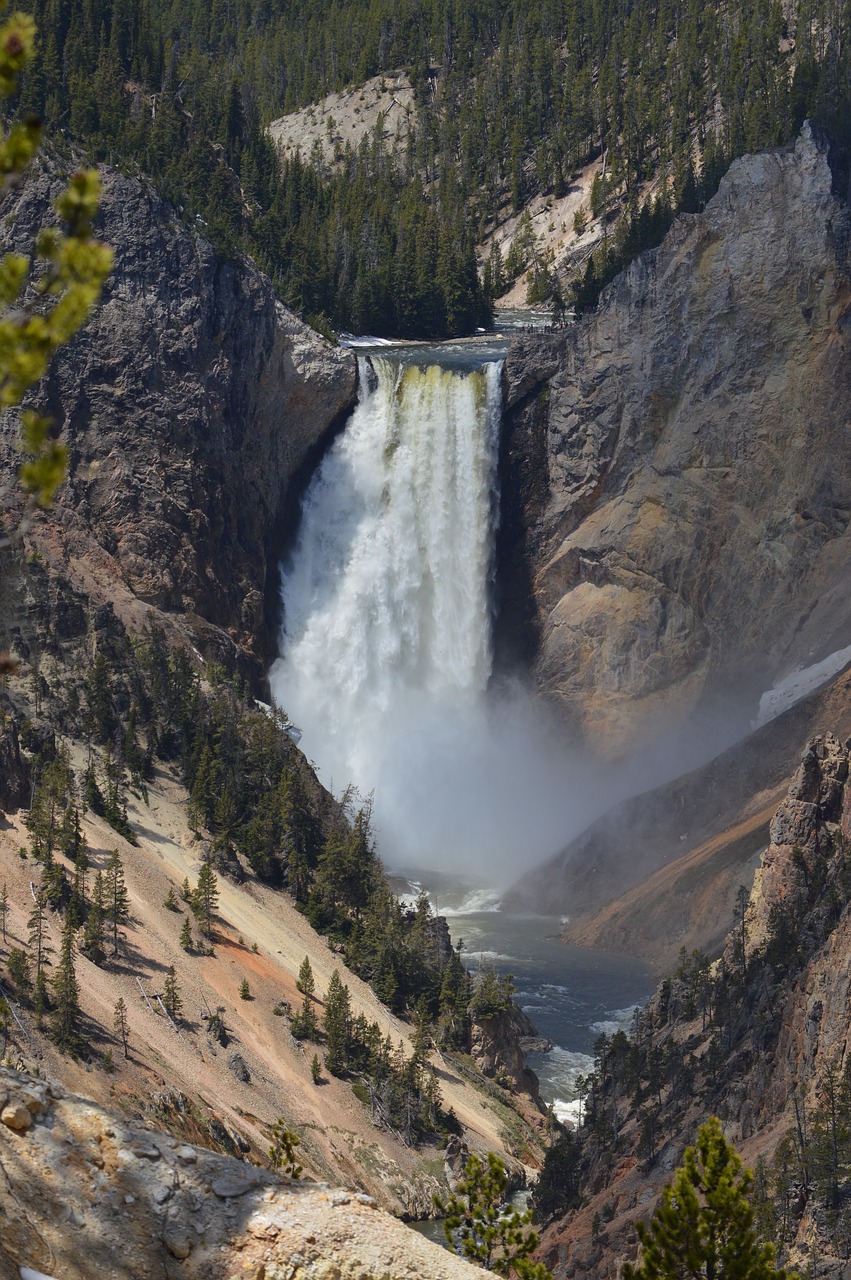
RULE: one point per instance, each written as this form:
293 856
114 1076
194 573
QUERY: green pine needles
479 1224
703 1229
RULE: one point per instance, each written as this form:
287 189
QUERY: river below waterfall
572 995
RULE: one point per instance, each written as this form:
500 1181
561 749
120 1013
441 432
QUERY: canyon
673 541
675 474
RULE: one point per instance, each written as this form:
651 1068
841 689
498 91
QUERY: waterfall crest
386 650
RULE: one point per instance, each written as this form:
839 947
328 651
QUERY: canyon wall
754 1045
676 467
189 404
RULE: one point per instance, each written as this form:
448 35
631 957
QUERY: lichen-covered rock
692 541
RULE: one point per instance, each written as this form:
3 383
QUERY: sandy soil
261 937
348 117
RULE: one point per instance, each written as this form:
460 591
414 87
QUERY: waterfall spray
386 653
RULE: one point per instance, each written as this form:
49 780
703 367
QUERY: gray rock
677 500
178 1241
145 1151
239 1067
188 403
235 1181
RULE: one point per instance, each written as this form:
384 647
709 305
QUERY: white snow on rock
798 684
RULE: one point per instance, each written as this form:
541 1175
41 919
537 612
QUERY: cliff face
188 403
753 1041
686 528
661 870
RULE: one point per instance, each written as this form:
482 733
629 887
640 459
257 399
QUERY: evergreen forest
257 806
513 97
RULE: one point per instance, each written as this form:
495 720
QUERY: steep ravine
747 1041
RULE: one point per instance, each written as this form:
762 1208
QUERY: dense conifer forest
513 96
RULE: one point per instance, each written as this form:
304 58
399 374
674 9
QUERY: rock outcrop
748 1041
686 526
86 1194
189 403
499 1046
661 870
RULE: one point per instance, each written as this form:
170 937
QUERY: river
572 995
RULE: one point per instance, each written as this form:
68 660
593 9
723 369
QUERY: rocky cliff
755 1039
85 1193
188 404
684 526
661 870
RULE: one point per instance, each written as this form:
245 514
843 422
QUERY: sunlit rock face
685 524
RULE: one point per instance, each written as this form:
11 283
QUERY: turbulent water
386 653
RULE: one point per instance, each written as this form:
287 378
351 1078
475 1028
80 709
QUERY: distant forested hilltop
513 97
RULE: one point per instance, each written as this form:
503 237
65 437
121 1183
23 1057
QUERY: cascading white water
386 652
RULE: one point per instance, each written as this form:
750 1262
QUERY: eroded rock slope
684 523
87 1194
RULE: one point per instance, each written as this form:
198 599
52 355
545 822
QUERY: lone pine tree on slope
703 1229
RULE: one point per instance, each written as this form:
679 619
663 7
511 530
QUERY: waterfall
386 648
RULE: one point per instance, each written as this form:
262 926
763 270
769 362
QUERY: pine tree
170 902
120 1024
205 898
116 898
71 840
4 908
66 995
94 930
77 901
477 1224
185 938
19 973
171 995
39 942
54 885
337 1020
305 1025
40 998
305 981
244 990
704 1225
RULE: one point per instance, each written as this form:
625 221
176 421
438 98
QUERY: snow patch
795 686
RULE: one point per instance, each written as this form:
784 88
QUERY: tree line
512 98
